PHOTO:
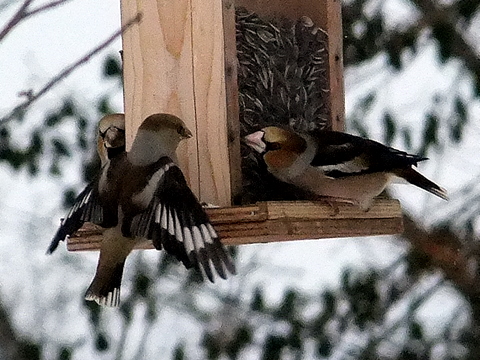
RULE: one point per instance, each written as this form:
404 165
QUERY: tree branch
16 18
48 6
32 97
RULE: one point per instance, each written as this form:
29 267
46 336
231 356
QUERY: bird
336 166
142 194
110 143
111 137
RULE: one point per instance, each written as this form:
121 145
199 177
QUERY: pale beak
255 141
113 137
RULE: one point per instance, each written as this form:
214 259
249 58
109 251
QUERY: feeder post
174 62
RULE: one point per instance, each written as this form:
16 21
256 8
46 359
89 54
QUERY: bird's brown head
280 147
111 136
166 122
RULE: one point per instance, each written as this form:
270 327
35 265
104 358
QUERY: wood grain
174 62
335 56
281 221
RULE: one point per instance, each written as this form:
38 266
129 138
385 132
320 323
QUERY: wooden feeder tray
280 221
182 59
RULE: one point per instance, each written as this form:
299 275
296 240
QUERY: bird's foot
334 201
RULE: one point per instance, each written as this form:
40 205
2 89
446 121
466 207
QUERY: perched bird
110 143
336 166
142 194
111 137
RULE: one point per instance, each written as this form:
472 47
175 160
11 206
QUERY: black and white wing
340 154
175 221
85 208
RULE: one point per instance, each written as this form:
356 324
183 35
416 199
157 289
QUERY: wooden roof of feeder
227 69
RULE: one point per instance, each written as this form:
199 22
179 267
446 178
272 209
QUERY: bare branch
65 72
23 13
48 6
16 18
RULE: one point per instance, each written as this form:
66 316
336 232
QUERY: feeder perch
182 59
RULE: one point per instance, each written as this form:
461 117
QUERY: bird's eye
273 146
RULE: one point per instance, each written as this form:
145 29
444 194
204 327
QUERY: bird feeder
182 59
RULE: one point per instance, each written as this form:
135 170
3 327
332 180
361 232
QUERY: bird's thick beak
255 141
113 138
186 133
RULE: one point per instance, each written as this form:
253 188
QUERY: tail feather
417 179
105 287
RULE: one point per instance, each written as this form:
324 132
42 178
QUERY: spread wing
86 208
175 221
340 154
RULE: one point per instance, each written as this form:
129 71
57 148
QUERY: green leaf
82 123
101 342
104 106
142 284
456 129
390 128
210 343
126 309
243 337
443 33
329 303
68 108
416 331
287 307
273 347
430 133
36 143
29 350
324 347
65 353
257 303
112 68
179 352
60 148
407 138
52 120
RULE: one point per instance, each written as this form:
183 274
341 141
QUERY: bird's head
280 147
111 136
166 124
157 136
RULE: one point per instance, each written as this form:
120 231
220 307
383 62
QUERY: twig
67 71
48 6
16 18
23 13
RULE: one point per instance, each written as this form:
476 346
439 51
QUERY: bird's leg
334 201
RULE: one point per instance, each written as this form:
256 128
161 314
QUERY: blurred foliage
351 321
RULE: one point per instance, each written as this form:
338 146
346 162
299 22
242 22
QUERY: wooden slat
174 62
231 97
335 62
281 221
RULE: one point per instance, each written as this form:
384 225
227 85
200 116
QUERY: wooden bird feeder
182 59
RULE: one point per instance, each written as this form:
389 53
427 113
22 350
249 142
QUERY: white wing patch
143 198
188 243
78 205
355 165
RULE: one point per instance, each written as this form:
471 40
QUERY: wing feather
175 221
